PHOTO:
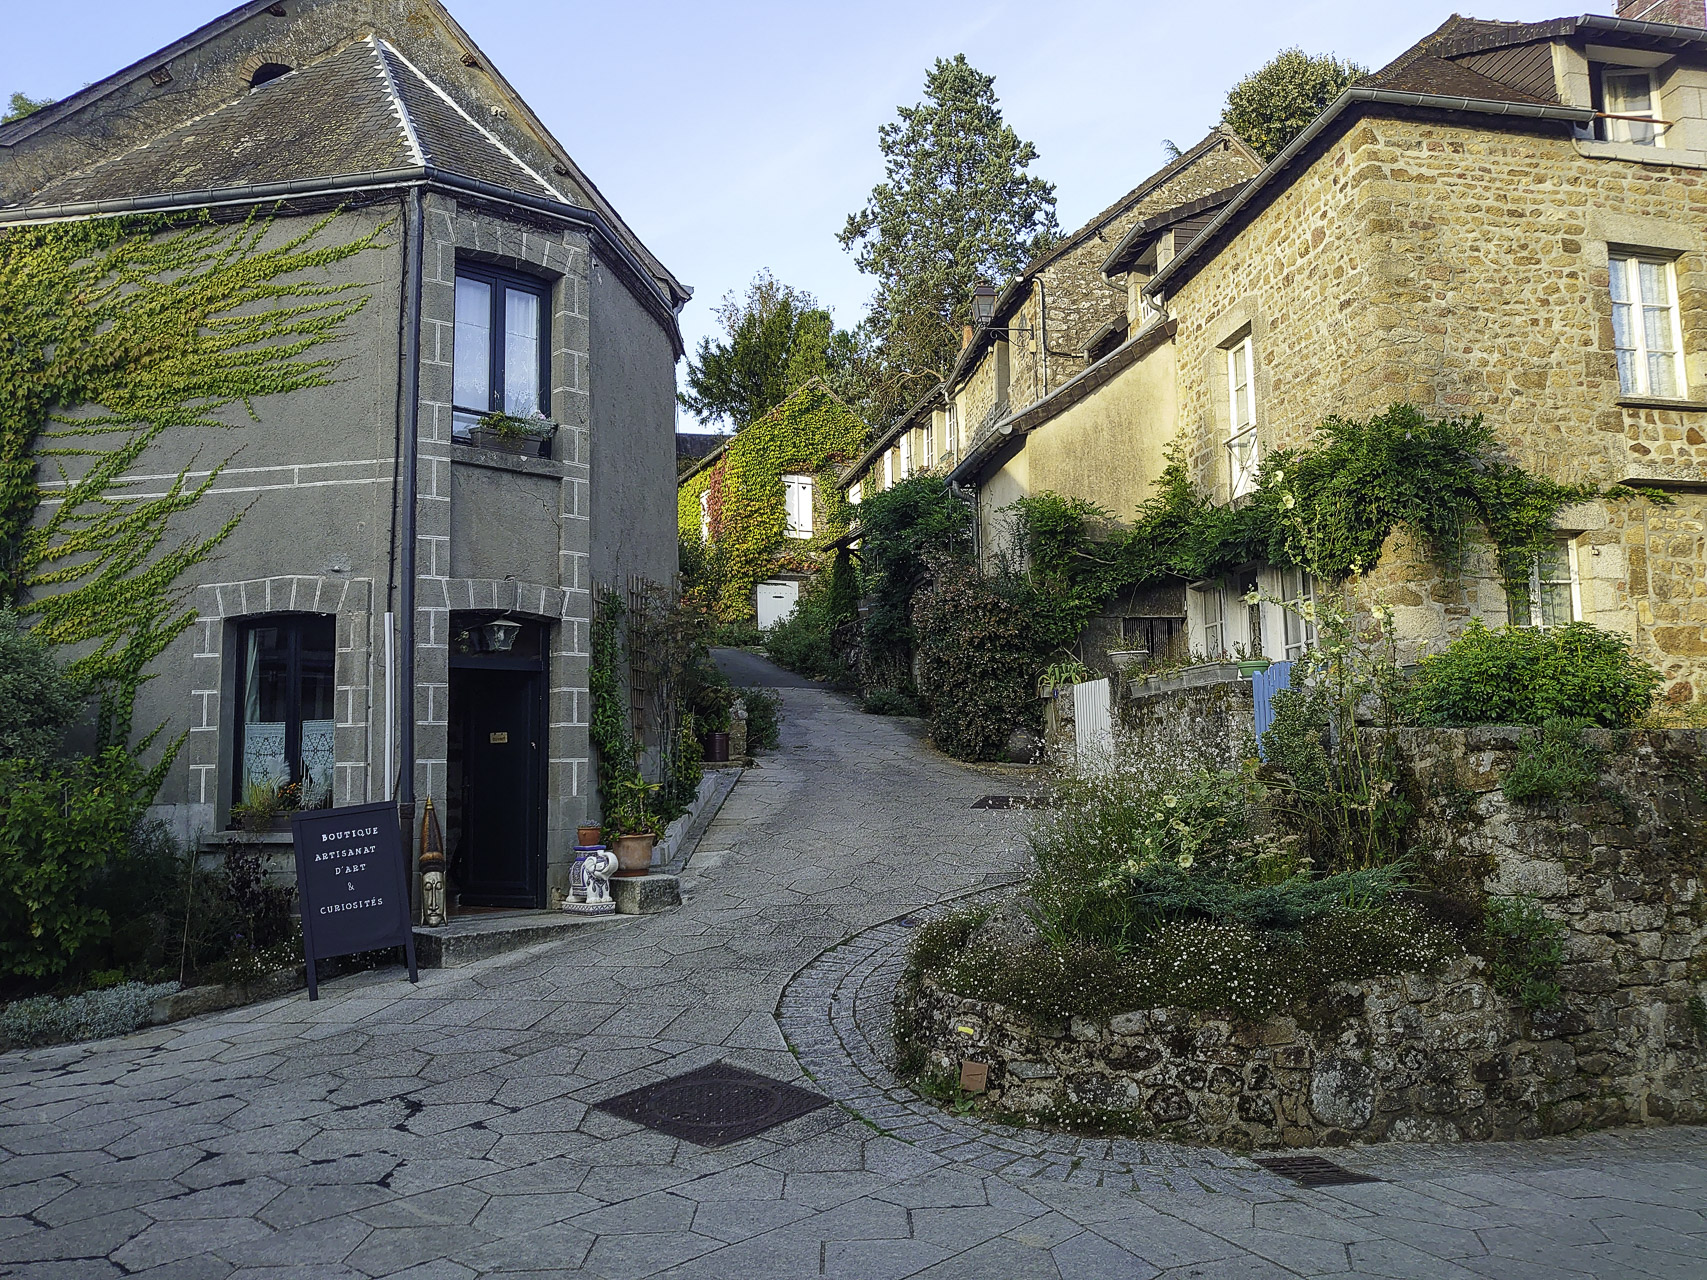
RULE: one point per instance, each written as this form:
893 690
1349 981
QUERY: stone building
523 292
1054 320
1470 229
1505 220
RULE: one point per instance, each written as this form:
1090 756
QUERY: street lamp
983 303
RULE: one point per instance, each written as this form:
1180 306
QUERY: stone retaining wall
1440 1058
1200 717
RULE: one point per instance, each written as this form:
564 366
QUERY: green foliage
1203 964
900 529
1517 675
60 823
889 702
764 718
1555 764
687 769
975 662
37 701
631 810
956 204
607 727
812 432
780 339
21 105
153 330
90 1015
804 641
1271 107
1524 949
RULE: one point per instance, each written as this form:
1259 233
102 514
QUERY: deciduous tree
1269 108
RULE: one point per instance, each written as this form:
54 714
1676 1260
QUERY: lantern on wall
500 635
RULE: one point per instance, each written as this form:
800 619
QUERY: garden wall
1201 716
1434 1058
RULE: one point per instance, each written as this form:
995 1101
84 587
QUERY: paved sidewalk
444 1131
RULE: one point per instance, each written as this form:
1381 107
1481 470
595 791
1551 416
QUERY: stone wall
1199 717
1443 1057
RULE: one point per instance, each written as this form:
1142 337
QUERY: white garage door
776 601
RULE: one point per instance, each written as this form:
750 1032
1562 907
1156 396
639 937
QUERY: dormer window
1629 102
265 72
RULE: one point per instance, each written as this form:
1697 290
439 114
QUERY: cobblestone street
445 1130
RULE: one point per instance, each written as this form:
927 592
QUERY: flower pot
526 446
1248 667
587 837
717 746
634 853
1125 660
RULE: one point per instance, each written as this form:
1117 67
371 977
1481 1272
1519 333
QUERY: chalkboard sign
353 884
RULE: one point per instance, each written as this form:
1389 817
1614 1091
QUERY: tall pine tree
956 204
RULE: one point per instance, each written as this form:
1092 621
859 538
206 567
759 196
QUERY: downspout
413 231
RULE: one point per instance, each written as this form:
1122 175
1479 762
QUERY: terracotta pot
586 836
633 854
717 746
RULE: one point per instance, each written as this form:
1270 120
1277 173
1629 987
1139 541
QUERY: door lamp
502 634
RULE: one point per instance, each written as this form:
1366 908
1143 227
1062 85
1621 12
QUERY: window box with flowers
507 433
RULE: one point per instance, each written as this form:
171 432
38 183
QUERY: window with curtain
1645 326
1630 101
1549 598
1214 605
285 715
1298 614
1242 418
500 356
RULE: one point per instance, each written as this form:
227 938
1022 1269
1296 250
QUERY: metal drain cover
1314 1171
714 1105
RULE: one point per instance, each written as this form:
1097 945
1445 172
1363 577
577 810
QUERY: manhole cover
714 1105
1313 1171
1009 802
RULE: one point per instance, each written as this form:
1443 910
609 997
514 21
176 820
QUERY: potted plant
508 433
1248 664
633 822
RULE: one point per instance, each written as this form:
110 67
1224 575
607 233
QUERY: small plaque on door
498 739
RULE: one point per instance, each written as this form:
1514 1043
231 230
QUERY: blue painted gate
1264 685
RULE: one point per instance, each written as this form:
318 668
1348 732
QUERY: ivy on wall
116 332
1327 508
812 433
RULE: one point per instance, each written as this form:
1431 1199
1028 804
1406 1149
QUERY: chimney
965 336
1679 13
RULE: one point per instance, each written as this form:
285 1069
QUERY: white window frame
1297 628
888 468
929 443
797 501
906 454
1534 602
1624 271
705 515
856 492
1620 126
1242 452
951 431
1212 609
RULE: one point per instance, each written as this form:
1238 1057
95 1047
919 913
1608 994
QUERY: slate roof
363 109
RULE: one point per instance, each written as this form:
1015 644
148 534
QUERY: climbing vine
812 433
113 333
1327 508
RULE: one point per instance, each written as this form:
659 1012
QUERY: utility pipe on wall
413 232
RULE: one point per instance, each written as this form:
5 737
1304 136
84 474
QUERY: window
284 708
889 470
500 359
1214 605
1242 418
1645 326
1550 598
705 515
1298 614
1630 103
929 442
797 499
951 432
906 454
855 493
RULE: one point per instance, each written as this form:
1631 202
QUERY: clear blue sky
735 137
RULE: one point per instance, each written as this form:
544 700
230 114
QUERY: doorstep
466 939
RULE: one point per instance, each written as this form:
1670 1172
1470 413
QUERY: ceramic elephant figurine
600 863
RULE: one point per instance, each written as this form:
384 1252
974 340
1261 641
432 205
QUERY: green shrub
737 635
60 823
901 529
764 718
804 641
890 702
1199 964
92 1015
976 665
1555 764
1524 948
37 700
1516 675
